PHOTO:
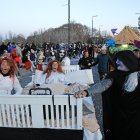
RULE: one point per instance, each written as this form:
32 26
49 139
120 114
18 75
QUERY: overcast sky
26 16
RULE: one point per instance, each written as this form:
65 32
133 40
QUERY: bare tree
10 36
1 38
19 39
78 32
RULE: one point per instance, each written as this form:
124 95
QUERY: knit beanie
128 58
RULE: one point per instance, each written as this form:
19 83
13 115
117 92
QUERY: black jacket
86 63
121 111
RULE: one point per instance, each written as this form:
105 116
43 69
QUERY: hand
80 94
67 89
89 64
81 66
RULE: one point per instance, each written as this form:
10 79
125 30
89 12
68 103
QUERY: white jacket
7 84
66 61
55 78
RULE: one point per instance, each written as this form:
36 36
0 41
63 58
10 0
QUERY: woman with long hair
53 74
8 79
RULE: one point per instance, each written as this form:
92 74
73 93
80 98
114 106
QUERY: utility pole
92 23
138 21
100 30
41 40
69 22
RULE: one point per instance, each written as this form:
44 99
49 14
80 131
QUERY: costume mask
5 68
54 66
121 66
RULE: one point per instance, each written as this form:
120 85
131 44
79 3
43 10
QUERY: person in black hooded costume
121 102
120 99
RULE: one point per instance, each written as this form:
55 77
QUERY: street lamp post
100 30
100 35
92 23
68 21
138 21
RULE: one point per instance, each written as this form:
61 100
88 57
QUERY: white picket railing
41 111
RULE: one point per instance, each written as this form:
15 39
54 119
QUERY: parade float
127 39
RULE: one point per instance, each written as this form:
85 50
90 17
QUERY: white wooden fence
41 111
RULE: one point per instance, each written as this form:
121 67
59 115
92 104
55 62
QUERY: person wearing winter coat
86 62
3 48
104 61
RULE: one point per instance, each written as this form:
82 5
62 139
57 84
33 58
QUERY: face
103 51
54 66
5 67
121 66
137 54
86 54
96 49
61 54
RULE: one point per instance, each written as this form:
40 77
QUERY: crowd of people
31 57
119 80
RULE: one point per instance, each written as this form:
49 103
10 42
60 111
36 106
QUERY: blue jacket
103 61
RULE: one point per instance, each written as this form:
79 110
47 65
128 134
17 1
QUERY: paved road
25 77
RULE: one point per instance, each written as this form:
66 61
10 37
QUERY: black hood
129 59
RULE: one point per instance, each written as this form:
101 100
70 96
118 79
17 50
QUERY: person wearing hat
120 98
